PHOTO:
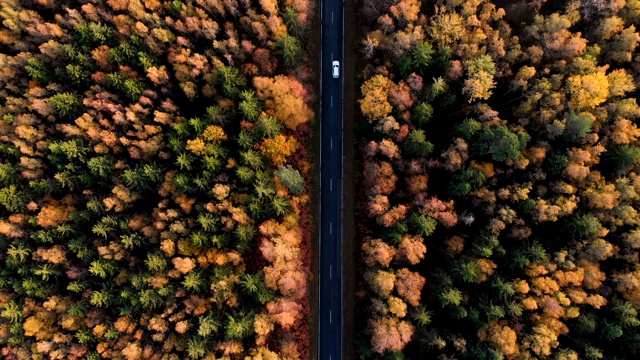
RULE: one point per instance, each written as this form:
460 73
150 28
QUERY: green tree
244 233
422 224
150 299
280 205
231 81
421 316
67 104
11 199
417 144
290 49
466 270
290 178
264 189
208 222
91 34
268 127
501 143
103 268
245 139
250 106
623 157
422 113
609 331
155 262
197 346
12 312
19 252
239 326
292 21
37 69
101 166
583 226
467 128
101 298
422 56
577 126
208 325
556 163
193 282
245 174
252 159
451 296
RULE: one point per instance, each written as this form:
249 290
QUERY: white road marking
330 184
329 316
331 100
331 57
332 17
330 228
330 272
332 143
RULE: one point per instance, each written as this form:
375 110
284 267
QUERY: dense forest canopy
154 179
499 172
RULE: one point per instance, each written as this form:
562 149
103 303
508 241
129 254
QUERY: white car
335 69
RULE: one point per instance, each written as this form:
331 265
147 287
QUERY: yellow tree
277 149
286 98
374 103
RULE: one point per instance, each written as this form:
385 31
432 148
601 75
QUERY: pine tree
231 80
208 325
280 205
468 128
245 174
193 282
103 268
422 224
417 145
208 222
12 312
268 126
422 56
101 166
239 326
422 113
196 346
150 299
155 262
290 178
292 21
290 49
250 106
245 139
11 199
19 253
421 316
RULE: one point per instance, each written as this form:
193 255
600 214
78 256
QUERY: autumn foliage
498 171
141 215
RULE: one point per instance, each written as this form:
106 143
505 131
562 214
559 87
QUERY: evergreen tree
422 113
417 145
268 127
250 106
231 80
290 49
422 56
67 104
239 326
290 178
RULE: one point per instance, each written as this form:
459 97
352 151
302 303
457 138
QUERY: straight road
330 259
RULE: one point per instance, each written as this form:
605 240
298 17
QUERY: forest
155 179
499 180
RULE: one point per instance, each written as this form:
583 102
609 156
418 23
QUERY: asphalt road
330 259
